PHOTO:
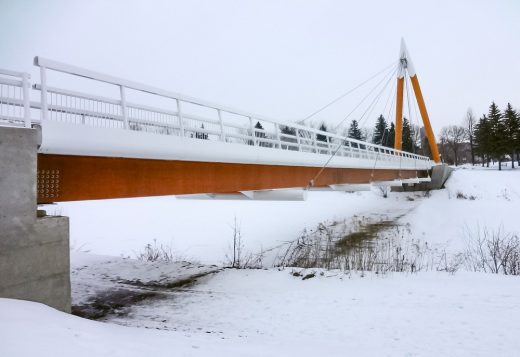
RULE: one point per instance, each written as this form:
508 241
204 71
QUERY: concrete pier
34 251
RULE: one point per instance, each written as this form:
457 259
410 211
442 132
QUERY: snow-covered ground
272 312
202 230
473 198
92 275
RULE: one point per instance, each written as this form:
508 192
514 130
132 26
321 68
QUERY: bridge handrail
133 116
22 81
73 70
78 71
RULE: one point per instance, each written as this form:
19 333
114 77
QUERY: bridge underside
75 178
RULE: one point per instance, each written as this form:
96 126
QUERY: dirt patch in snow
112 302
111 286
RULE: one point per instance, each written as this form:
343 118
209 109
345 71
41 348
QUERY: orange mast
407 65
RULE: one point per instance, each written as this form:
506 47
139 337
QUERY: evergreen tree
201 135
512 131
390 138
354 132
321 137
380 131
498 143
287 130
408 144
482 138
260 134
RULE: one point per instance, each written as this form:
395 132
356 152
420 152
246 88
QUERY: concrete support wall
439 175
34 252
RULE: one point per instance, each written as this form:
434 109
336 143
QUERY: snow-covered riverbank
271 312
260 313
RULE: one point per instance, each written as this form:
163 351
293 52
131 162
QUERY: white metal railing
185 116
14 98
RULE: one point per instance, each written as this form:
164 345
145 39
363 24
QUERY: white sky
281 59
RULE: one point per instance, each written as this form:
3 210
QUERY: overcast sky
281 59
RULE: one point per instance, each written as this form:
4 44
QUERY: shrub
154 252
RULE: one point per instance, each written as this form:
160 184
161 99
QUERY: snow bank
473 198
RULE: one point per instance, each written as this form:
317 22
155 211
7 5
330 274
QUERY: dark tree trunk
499 165
471 150
513 160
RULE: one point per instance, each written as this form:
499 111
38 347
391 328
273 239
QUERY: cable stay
406 77
386 80
348 92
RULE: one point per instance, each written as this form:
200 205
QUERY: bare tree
416 136
454 136
470 128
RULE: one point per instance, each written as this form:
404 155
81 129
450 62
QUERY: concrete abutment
34 251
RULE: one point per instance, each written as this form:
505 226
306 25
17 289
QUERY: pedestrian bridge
106 137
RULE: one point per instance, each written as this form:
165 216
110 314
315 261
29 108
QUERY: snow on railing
176 114
14 98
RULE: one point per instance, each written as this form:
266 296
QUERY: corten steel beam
75 178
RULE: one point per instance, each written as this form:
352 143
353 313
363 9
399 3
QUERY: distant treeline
493 137
496 136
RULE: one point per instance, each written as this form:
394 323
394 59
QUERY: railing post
298 139
277 130
314 142
349 150
328 145
253 136
26 100
124 111
179 114
43 92
222 136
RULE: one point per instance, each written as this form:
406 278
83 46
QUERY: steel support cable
408 83
387 131
388 100
364 98
390 109
313 180
372 107
348 92
375 101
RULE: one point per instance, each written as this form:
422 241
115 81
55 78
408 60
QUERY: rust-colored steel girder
75 178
